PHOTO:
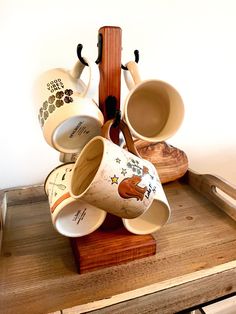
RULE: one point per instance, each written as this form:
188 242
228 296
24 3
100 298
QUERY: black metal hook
136 54
79 49
110 105
99 45
117 118
112 111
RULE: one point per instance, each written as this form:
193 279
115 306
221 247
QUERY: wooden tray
195 260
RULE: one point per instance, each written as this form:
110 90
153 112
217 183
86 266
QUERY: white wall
189 43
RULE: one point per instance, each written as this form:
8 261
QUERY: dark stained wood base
105 248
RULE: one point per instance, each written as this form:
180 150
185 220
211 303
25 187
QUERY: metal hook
117 118
99 45
136 54
79 49
112 112
110 105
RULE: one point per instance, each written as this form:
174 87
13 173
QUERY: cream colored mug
154 218
113 179
153 109
66 157
70 217
68 115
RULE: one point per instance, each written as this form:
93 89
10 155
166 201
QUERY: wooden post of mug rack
111 244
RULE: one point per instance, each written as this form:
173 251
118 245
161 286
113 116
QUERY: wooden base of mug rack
105 248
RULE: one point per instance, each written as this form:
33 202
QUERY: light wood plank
25 194
212 187
147 295
2 215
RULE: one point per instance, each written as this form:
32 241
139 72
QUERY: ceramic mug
154 218
66 157
70 217
68 115
153 109
113 179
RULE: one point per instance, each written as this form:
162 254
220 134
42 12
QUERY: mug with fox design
152 219
113 179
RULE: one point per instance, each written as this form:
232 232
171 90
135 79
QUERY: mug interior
148 109
150 221
86 166
154 110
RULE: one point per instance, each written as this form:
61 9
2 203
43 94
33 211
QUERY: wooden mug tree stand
112 244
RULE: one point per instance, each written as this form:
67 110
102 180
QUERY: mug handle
126 132
133 73
77 70
90 88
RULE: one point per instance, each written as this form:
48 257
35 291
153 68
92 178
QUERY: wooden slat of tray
38 274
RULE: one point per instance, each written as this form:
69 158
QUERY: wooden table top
195 260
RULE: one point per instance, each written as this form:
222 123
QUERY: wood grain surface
166 299
170 162
195 262
217 190
102 249
110 70
2 214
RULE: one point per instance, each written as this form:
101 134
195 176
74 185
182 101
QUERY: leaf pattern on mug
51 108
68 92
45 115
53 102
51 99
68 99
45 105
59 103
59 95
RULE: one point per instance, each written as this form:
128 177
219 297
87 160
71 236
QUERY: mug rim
128 222
57 167
101 139
71 200
155 138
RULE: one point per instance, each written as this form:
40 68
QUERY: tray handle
2 214
216 189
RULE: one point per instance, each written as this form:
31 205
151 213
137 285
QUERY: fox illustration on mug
129 188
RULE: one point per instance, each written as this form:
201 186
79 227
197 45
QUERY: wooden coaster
103 248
